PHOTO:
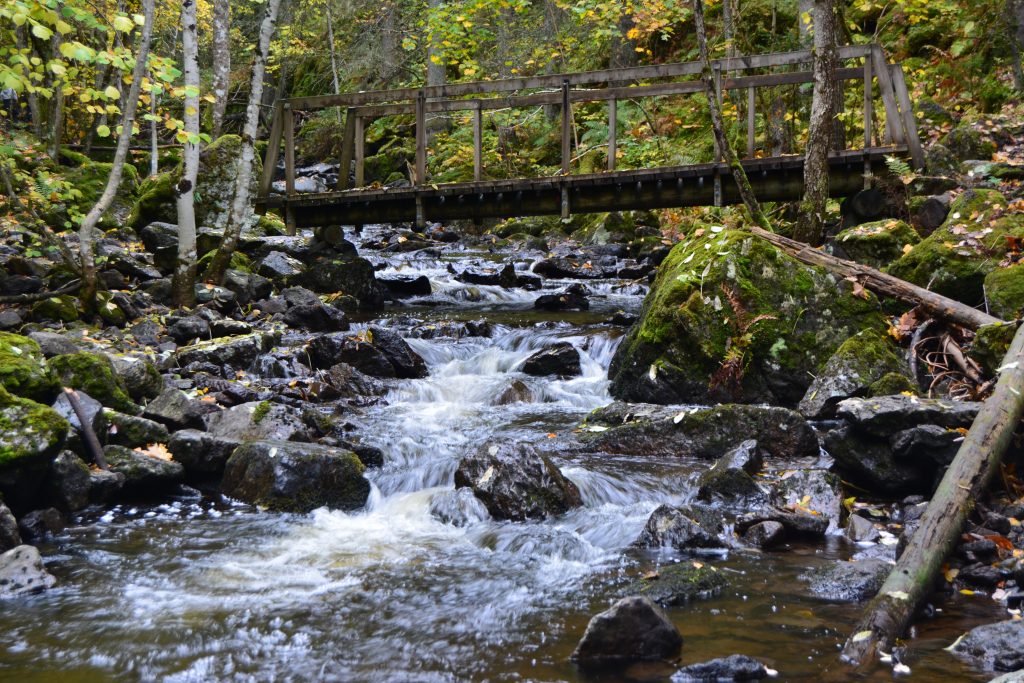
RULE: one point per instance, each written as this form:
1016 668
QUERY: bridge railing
564 90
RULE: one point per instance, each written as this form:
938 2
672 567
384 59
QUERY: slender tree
183 287
221 63
57 99
86 231
243 175
810 225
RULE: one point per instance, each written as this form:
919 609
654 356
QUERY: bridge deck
772 178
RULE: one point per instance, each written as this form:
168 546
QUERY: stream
201 589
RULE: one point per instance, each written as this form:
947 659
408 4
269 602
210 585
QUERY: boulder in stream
10 537
848 581
572 298
377 353
202 453
723 670
634 628
682 528
679 584
561 360
729 479
516 482
146 474
264 421
22 571
994 646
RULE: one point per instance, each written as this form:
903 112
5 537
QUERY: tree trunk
718 125
977 461
240 202
1015 29
810 225
184 282
86 234
33 101
334 59
57 100
221 64
389 48
805 10
436 74
729 27
154 141
102 74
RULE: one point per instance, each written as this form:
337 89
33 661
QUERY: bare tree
240 202
334 57
810 225
87 229
221 63
57 100
183 287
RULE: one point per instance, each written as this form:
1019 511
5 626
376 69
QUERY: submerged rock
516 482
38 525
848 581
561 360
722 670
679 584
22 572
634 628
285 476
994 646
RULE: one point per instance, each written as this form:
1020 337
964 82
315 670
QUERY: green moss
260 412
1004 288
270 225
956 258
892 383
62 309
991 343
605 228
90 179
109 311
29 431
679 584
94 374
156 201
239 261
967 143
877 244
23 369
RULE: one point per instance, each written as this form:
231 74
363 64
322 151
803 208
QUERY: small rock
503 277
634 628
816 490
848 581
10 537
860 530
561 360
573 298
10 319
69 482
38 525
796 522
731 668
765 534
176 410
200 452
727 479
144 475
277 266
104 485
406 286
679 584
22 571
238 352
141 378
53 344
188 329
885 415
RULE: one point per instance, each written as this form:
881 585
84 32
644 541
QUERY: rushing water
206 590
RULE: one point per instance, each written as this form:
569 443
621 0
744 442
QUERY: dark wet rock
201 453
263 421
39 525
731 668
634 628
176 410
405 286
379 353
351 383
316 317
504 276
68 482
452 329
529 281
645 429
188 328
458 508
353 276
561 360
147 332
848 581
983 575
31 434
570 269
407 363
516 392
859 363
10 319
237 352
94 374
132 431
572 298
797 522
141 378
144 475
886 415
371 456
817 491
765 534
53 344
105 485
229 328
623 319
926 442
22 571
248 287
728 480
994 646
93 410
277 266
679 584
295 477
869 461
161 240
10 537
860 530
682 528
516 482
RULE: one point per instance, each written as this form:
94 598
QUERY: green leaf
103 131
112 93
41 32
123 24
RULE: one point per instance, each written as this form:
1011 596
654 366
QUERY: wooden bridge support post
613 125
566 145
360 144
478 143
893 124
273 150
869 124
421 155
717 66
289 167
347 145
899 83
751 121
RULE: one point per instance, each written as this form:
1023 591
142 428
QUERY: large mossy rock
341 274
29 432
1004 288
215 187
94 374
876 244
90 179
23 369
955 259
728 300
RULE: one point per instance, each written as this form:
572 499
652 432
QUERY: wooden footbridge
890 131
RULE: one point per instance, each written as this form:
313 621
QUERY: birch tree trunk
154 141
810 225
183 285
221 63
240 202
334 58
86 232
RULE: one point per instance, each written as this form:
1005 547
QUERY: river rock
132 432
645 429
295 477
504 276
459 507
570 269
23 369
144 475
94 374
722 670
516 482
634 628
679 584
142 380
817 491
22 571
38 525
926 442
329 273
10 537
886 415
94 413
848 581
53 344
176 410
277 266
236 352
561 360
306 311
764 534
68 482
406 286
105 486
869 462
703 299
201 453
876 244
572 298
994 646
30 436
379 353
351 383
257 422
682 528
728 480
799 523
188 328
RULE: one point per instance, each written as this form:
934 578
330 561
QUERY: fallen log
880 283
88 434
911 581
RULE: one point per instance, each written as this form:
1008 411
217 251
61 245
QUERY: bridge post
717 67
899 82
360 145
289 167
892 112
478 152
751 121
869 124
613 125
347 143
566 146
421 155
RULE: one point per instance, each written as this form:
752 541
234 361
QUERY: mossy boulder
617 227
156 201
62 308
535 226
967 143
876 244
90 179
29 432
239 261
94 374
1004 288
336 274
730 317
679 584
23 369
955 259
991 344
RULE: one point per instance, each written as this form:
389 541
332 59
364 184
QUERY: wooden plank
892 113
566 128
751 121
289 152
347 147
360 142
869 104
613 128
478 152
273 150
909 120
421 139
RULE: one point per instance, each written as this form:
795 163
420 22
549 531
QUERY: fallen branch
39 296
88 433
918 568
880 283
